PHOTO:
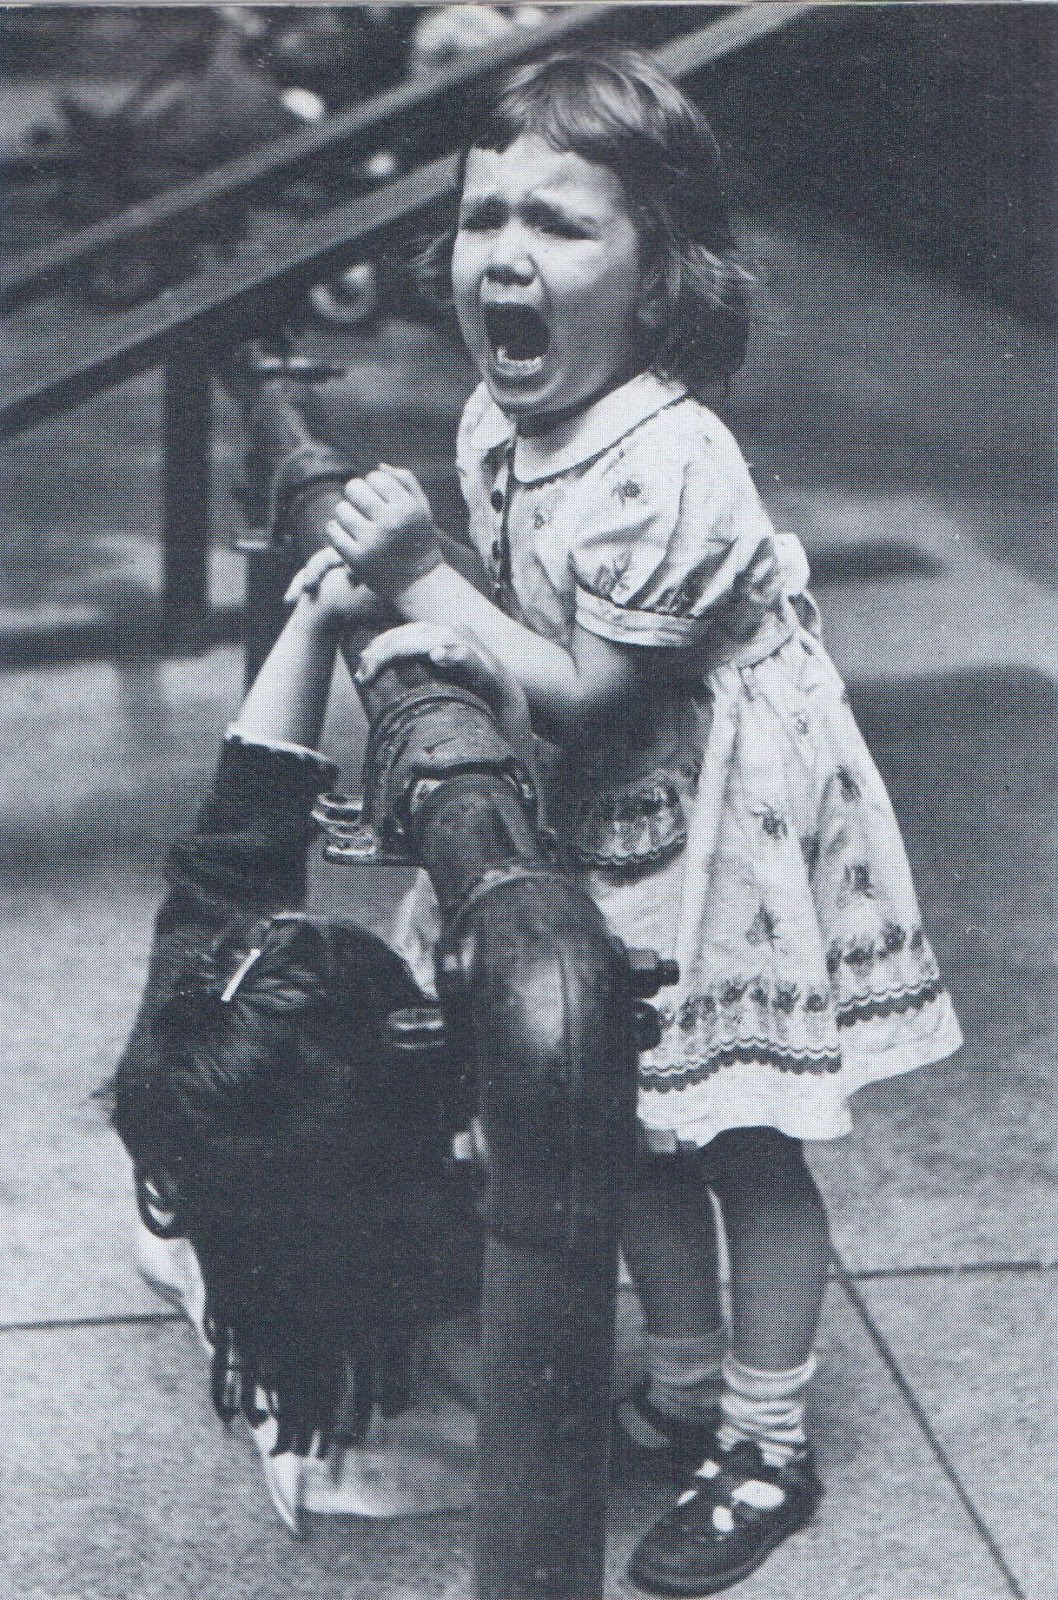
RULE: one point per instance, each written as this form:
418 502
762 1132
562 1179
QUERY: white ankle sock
684 1373
766 1408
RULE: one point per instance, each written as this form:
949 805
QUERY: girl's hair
272 1124
614 107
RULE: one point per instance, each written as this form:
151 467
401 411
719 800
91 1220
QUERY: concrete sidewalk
938 1337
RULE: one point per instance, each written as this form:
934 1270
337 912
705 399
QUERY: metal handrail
395 109
75 364
684 56
228 296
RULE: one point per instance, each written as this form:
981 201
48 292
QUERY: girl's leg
757 1483
778 1241
669 1242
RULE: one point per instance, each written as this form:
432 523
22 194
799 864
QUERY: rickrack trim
750 1052
759 1052
892 1004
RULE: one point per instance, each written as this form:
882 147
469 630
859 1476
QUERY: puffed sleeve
674 534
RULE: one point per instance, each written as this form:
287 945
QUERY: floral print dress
750 834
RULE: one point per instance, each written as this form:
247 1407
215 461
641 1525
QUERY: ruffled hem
750 1093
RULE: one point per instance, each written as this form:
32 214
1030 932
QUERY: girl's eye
487 216
555 223
480 219
562 229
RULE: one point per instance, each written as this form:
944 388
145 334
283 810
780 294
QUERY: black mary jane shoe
727 1520
645 1436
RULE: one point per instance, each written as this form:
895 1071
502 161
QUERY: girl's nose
510 260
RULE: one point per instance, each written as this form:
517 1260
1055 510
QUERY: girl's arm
384 529
288 700
249 845
569 691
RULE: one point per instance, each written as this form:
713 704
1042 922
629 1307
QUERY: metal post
547 1326
555 1058
539 1003
269 570
291 485
188 422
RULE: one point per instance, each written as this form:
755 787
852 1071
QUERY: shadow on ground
971 761
873 376
958 1164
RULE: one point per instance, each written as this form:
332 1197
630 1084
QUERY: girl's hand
384 529
459 655
330 596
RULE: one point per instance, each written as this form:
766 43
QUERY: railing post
269 570
289 490
557 1109
540 1008
187 446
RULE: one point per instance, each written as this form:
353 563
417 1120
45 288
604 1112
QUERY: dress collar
576 441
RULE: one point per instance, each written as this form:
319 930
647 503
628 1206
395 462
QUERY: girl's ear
655 293
651 309
652 313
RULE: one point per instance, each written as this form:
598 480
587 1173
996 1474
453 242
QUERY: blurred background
177 180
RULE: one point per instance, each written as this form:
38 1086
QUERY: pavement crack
60 1324
952 1269
914 1405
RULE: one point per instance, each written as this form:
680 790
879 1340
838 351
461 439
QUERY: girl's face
546 277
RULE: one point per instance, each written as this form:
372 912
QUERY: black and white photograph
529 802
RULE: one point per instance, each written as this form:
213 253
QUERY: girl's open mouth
519 338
